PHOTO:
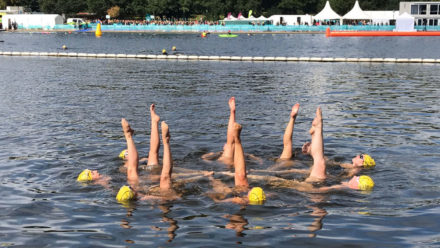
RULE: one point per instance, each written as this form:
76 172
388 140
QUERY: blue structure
234 28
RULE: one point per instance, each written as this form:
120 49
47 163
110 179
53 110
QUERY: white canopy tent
356 13
379 17
259 20
405 22
327 13
32 21
231 18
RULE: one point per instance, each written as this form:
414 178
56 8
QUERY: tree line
192 9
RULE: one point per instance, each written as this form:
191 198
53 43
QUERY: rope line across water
221 58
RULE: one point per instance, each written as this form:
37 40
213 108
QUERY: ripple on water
61 121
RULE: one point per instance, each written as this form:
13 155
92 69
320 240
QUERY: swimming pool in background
61 115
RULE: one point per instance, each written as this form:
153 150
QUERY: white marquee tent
356 13
231 18
327 13
405 22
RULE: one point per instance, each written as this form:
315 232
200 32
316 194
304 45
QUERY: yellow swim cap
365 183
85 175
256 196
164 51
125 194
123 154
368 161
174 48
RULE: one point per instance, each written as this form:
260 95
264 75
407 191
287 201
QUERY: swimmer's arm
255 177
351 172
218 186
300 171
150 198
199 176
183 171
145 197
226 173
180 175
236 200
179 172
346 165
103 181
211 156
254 158
326 189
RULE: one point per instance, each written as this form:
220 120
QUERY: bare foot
232 103
128 132
237 131
154 116
317 122
165 132
306 148
295 109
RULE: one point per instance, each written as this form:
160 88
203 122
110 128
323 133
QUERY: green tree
99 7
71 7
4 3
342 6
49 6
291 7
31 5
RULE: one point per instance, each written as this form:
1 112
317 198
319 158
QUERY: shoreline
158 32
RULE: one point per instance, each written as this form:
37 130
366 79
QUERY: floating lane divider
219 58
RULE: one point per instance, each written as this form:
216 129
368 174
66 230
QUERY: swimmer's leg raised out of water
227 156
318 171
287 138
133 157
153 155
167 167
239 163
165 186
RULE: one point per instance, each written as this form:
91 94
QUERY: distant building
425 13
31 21
10 10
15 10
291 19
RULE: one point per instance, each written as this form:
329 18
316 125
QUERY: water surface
62 115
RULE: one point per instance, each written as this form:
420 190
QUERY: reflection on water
317 212
59 119
173 224
238 223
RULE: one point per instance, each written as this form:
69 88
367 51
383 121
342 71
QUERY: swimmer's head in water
123 154
256 196
366 183
85 175
125 194
368 161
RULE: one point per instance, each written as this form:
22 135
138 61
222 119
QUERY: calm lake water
62 115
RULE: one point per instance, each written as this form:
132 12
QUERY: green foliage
211 9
